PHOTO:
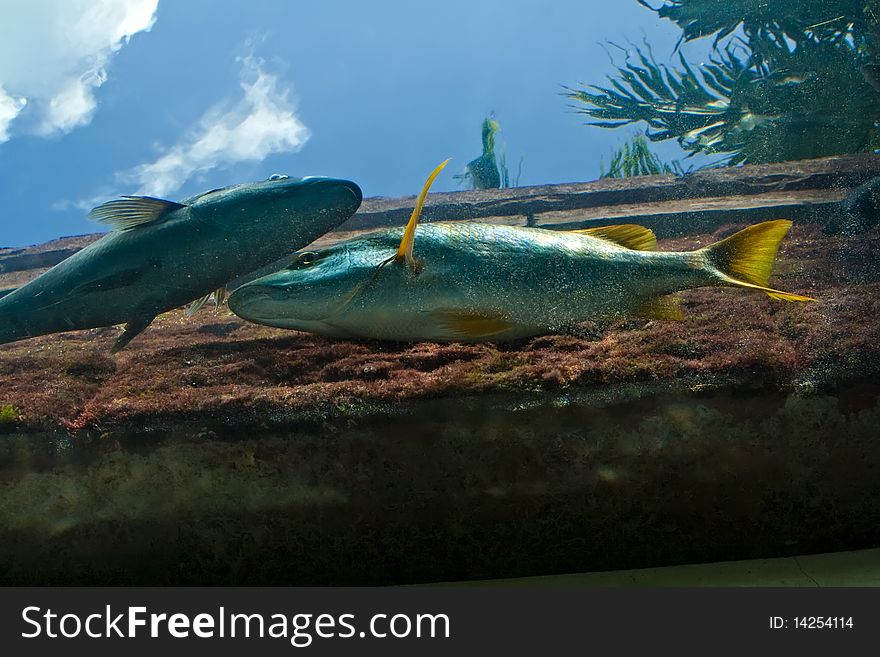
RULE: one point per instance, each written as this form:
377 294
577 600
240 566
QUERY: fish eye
278 176
305 259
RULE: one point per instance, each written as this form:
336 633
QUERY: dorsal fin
405 251
132 211
632 236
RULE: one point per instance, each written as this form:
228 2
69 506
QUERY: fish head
299 209
332 291
318 290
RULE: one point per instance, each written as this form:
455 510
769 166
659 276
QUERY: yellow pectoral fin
666 307
197 305
632 236
464 325
405 251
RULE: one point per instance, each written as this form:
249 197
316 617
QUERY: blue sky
99 99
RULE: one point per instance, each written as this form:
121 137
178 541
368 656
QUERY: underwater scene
381 294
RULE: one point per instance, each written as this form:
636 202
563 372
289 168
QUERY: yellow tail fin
745 259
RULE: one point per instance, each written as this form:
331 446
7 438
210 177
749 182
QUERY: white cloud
262 122
10 107
54 56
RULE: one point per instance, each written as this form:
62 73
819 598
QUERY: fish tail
745 259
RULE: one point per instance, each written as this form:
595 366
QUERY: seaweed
490 170
793 82
9 415
635 158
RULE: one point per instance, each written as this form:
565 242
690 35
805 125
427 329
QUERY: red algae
215 367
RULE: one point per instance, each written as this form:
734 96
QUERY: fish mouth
356 193
263 305
347 195
247 302
352 187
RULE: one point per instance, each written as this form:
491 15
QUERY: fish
474 282
163 254
871 73
859 212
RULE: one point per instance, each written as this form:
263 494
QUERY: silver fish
471 282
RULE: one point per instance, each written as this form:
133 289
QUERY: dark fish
163 254
872 74
859 212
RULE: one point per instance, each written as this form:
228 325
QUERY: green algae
9 415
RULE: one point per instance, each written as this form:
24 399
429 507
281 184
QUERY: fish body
473 282
871 73
859 212
165 254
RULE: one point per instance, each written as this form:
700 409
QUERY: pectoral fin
463 325
219 296
197 305
132 330
405 251
119 279
632 236
133 211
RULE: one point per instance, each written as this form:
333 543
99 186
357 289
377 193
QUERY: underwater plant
490 171
506 181
9 414
787 80
635 158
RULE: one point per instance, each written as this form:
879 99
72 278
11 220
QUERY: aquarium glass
393 292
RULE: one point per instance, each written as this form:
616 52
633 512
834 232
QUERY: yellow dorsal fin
405 251
665 307
465 325
745 259
632 236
